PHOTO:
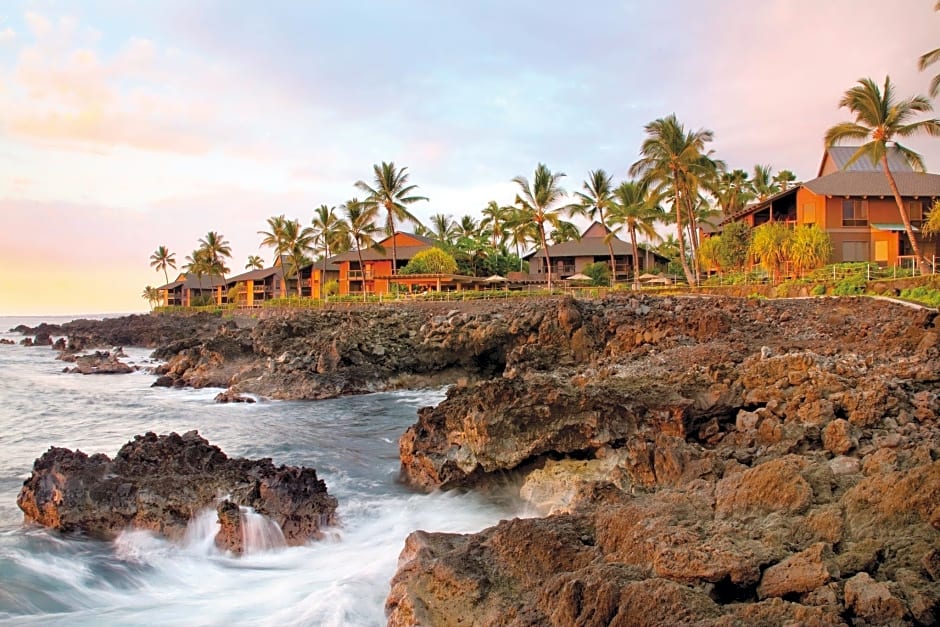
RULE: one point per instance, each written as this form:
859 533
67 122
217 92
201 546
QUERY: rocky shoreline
698 460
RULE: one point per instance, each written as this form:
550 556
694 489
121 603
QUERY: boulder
160 483
100 362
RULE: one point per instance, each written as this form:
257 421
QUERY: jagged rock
873 600
161 482
228 396
4 340
837 437
42 339
100 362
802 572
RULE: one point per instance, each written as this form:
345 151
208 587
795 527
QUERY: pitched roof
373 254
255 275
840 155
591 244
194 283
875 183
757 206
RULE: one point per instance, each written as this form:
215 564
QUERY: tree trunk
548 261
362 270
636 258
680 230
921 263
391 230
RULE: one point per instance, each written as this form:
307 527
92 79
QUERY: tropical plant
770 245
537 202
599 273
152 295
328 232
199 264
217 249
709 254
809 248
360 227
522 230
495 220
931 225
677 164
783 180
565 231
636 206
392 192
275 236
732 191
299 243
254 263
880 118
161 259
595 203
929 59
763 182
431 261
734 244
442 229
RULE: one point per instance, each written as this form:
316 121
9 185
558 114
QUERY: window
915 211
809 213
854 213
854 251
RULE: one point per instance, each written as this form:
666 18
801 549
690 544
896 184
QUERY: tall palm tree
359 224
783 180
677 164
391 191
595 203
521 231
929 59
298 241
537 204
276 238
495 217
161 259
442 229
254 263
565 232
199 264
636 207
218 249
328 232
880 117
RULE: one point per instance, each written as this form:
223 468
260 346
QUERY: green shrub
599 273
851 286
926 295
818 290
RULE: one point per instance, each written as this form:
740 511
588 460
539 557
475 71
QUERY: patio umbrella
495 279
579 277
647 277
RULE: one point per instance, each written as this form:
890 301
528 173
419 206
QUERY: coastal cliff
695 460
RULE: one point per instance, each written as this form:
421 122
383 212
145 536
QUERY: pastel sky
126 125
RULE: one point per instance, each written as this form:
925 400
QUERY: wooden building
375 275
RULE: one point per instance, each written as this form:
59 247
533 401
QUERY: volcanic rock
160 483
100 362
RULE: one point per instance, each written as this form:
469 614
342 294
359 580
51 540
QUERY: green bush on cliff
851 286
925 295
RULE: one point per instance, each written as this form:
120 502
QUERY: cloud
7 35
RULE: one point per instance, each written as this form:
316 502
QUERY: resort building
855 206
573 256
375 274
256 286
187 288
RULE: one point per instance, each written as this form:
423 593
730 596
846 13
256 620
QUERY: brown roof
759 205
193 283
875 183
255 275
591 244
372 254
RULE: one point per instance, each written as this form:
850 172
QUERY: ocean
48 578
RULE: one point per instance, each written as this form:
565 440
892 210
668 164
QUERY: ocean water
48 578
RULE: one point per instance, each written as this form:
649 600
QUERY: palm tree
276 238
782 180
565 232
442 229
636 206
929 59
152 295
217 248
521 231
298 243
392 192
328 231
495 217
595 203
254 263
732 191
536 204
769 243
199 263
360 226
676 163
880 116
161 259
763 182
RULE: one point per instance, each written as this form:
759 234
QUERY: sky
126 125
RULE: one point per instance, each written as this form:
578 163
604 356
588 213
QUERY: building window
854 251
809 213
854 213
916 211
